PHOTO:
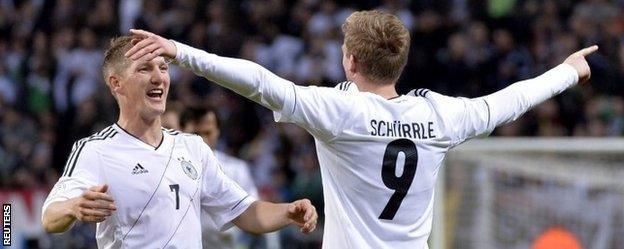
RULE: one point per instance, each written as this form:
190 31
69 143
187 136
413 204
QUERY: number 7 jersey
160 192
379 158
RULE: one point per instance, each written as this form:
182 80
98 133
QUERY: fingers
87 218
96 212
90 215
588 50
311 220
140 33
97 205
147 50
139 46
154 54
101 189
310 212
309 215
93 195
293 209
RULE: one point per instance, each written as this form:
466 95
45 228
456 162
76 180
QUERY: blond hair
114 59
378 41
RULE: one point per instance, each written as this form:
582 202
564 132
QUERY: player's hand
577 60
94 205
303 214
148 46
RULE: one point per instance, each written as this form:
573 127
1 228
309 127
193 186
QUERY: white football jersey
379 159
237 170
159 192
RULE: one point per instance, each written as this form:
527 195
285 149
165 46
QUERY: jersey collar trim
136 139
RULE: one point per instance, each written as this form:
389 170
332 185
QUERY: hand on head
577 60
94 205
148 46
303 214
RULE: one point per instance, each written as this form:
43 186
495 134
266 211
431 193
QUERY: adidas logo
138 169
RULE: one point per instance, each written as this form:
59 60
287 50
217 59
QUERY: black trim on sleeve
294 107
239 202
488 108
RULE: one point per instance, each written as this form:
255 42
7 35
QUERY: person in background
204 121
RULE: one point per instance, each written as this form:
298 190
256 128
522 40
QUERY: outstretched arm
264 217
510 103
242 76
468 118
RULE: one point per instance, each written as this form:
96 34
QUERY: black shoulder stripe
171 131
422 92
72 155
71 163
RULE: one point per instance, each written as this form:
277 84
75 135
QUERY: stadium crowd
52 92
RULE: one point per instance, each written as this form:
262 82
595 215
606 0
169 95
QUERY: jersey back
379 160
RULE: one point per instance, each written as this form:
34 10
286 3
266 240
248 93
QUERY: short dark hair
194 114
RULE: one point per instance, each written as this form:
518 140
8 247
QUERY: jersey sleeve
510 103
316 109
462 118
244 77
246 181
466 118
81 172
221 198
322 111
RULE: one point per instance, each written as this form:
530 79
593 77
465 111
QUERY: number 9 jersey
379 158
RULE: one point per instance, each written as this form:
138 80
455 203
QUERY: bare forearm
58 217
263 217
241 76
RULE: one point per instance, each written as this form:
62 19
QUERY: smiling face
143 87
140 87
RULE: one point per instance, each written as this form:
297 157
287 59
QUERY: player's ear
352 64
114 82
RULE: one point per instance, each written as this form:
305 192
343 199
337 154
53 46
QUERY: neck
383 88
145 129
